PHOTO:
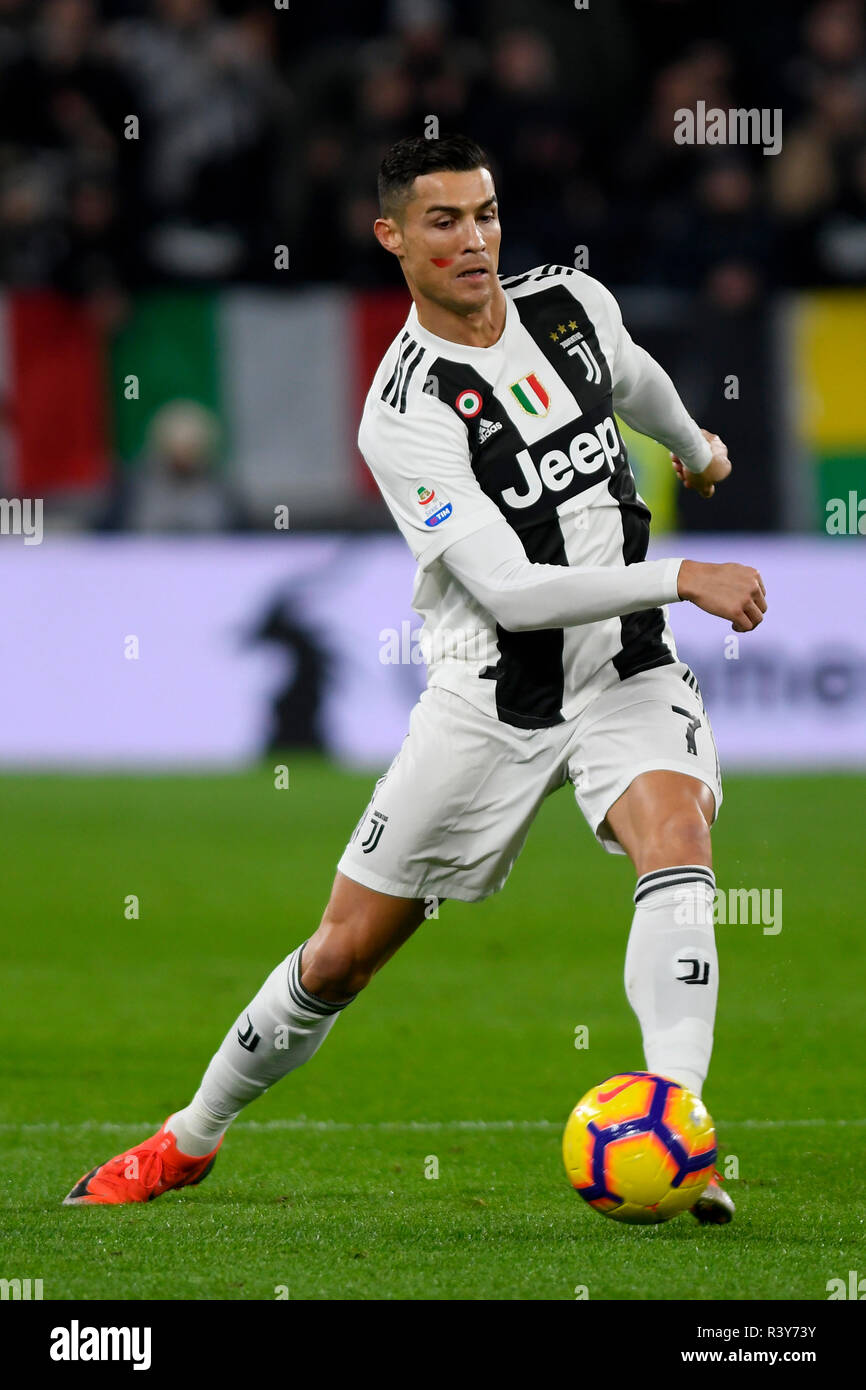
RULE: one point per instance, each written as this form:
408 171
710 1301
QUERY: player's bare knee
342 955
335 964
682 837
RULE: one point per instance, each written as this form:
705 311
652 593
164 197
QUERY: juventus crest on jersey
525 429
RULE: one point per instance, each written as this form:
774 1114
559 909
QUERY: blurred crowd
180 141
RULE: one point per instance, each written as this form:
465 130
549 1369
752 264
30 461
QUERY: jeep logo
586 454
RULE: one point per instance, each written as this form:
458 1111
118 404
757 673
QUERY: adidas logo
488 427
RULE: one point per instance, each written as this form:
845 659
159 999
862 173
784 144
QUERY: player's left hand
716 470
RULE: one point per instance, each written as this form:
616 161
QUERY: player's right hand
735 592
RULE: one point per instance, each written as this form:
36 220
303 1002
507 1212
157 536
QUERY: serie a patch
433 505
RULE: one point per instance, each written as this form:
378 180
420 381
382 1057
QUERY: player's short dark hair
417 155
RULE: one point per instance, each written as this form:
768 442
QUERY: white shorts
452 813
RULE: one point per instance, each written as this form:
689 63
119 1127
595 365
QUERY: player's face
450 239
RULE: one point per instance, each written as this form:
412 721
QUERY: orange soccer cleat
141 1173
714 1207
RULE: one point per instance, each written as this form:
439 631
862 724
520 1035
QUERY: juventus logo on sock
248 1039
699 972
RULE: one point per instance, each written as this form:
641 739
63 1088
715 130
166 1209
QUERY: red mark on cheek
442 261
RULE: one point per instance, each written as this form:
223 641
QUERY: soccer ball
639 1148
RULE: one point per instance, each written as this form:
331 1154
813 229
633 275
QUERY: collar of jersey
446 347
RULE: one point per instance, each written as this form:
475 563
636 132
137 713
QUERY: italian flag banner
54 408
283 373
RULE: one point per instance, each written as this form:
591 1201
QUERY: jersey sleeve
523 596
643 393
420 461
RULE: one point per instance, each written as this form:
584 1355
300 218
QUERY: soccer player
490 430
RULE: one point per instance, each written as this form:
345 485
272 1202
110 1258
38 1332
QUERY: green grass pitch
463 1048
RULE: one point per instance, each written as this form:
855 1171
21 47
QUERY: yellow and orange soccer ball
639 1148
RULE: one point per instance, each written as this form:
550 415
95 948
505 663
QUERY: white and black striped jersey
456 436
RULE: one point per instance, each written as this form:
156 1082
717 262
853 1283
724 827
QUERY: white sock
672 971
279 1030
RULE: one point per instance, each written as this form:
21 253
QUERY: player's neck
480 329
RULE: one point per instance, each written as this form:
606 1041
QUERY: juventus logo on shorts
375 835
